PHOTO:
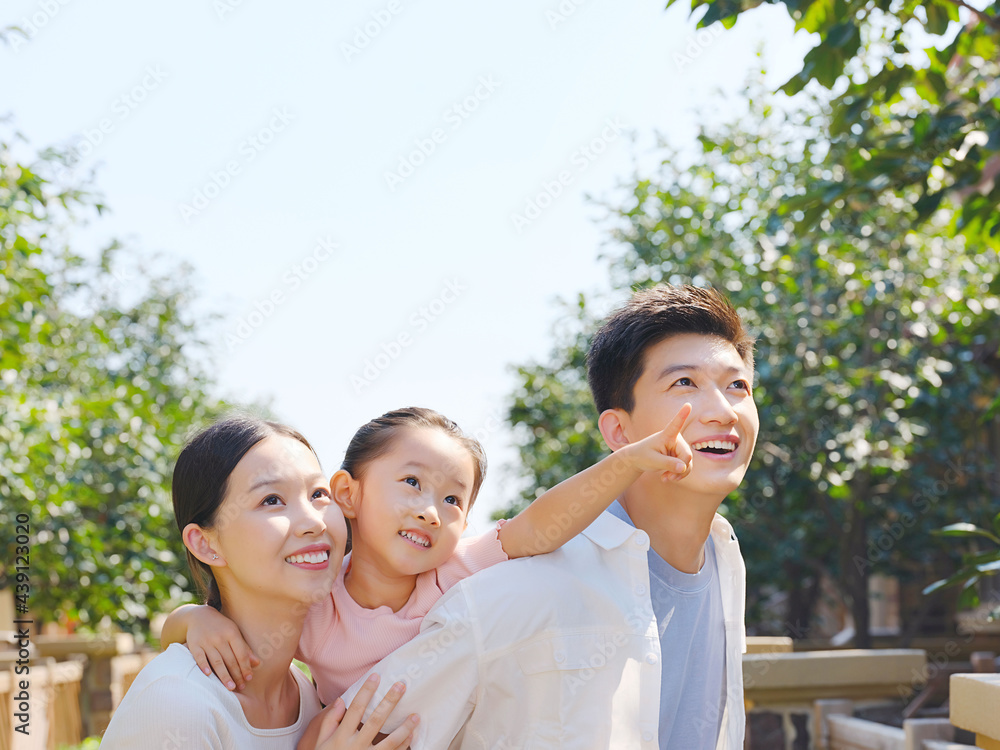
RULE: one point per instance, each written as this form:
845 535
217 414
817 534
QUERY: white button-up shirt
556 651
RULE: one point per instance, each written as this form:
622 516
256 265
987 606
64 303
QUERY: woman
263 541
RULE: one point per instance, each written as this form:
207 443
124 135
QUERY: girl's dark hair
375 438
201 480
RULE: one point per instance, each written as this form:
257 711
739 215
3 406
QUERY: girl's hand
338 727
217 645
665 451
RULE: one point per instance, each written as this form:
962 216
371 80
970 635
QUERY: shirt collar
609 532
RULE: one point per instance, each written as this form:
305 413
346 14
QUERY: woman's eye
412 481
321 492
271 500
684 381
742 384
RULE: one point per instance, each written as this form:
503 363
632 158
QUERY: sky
382 201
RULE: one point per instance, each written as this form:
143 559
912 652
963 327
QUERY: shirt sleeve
440 668
317 626
167 709
472 555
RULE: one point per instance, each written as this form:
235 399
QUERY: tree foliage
916 89
101 384
876 358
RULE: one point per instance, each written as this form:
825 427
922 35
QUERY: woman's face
277 533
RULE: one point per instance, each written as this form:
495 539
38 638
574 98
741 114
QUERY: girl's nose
429 515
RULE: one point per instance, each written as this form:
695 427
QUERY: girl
243 479
406 484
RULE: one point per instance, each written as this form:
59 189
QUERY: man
631 635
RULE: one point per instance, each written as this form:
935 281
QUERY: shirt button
647 736
640 589
641 540
651 658
559 656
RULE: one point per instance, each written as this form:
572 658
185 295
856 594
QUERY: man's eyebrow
425 467
696 368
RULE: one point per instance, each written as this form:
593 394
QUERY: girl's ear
613 425
201 545
345 491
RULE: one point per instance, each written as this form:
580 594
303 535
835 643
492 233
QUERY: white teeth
309 557
725 445
418 540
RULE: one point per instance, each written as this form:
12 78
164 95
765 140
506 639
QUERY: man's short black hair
617 354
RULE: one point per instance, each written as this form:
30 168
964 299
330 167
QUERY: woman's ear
613 424
199 543
345 491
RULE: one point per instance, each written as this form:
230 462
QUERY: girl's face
277 532
410 506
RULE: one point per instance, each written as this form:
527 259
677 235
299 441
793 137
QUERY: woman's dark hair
375 438
201 480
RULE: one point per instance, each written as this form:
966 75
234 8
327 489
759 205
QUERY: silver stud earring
215 557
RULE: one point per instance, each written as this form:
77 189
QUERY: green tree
875 362
916 91
102 381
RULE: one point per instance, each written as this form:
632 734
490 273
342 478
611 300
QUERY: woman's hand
339 728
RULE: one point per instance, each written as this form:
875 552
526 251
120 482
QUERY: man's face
708 373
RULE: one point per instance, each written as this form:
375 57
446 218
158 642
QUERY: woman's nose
311 519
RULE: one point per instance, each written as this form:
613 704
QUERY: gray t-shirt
688 609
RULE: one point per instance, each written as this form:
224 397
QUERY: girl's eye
452 500
321 492
271 500
412 481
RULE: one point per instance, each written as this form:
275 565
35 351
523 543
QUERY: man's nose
718 409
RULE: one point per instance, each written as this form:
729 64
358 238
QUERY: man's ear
613 424
344 489
201 545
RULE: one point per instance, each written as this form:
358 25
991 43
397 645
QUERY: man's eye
412 481
684 381
742 384
271 500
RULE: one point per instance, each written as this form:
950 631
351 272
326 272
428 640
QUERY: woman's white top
172 705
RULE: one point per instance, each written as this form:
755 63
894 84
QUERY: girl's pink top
342 640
